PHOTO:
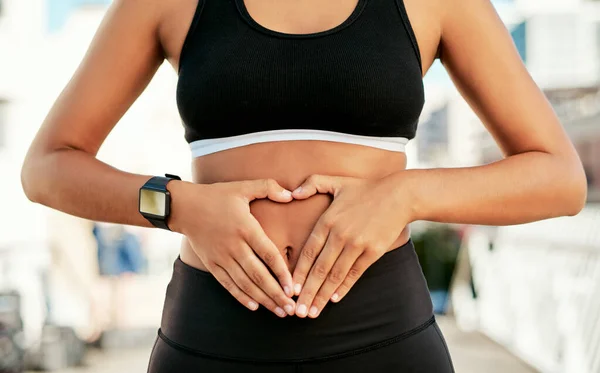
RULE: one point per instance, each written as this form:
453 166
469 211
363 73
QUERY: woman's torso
288 225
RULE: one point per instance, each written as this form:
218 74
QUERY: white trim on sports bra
208 146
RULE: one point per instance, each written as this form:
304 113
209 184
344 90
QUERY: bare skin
289 225
540 177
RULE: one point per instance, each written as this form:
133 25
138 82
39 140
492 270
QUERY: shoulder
139 16
141 9
426 18
465 21
176 17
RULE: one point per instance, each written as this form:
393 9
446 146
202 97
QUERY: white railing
537 290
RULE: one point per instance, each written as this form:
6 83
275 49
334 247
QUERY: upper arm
482 60
121 59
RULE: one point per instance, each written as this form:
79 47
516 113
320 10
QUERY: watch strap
161 181
172 177
158 223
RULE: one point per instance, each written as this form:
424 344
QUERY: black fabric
422 352
362 77
204 326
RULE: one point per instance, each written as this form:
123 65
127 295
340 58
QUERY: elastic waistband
207 146
388 303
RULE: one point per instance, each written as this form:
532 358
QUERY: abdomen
290 163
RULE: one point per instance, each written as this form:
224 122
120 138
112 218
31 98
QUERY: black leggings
384 324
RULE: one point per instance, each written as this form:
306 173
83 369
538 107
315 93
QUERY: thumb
266 188
317 184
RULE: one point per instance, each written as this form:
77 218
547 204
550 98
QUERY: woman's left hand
363 221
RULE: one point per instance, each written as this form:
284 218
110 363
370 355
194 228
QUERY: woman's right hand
228 239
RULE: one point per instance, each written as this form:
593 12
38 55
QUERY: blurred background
79 296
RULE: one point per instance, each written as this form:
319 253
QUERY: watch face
152 202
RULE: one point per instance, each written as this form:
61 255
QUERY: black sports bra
241 83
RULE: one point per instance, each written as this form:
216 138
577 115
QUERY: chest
363 70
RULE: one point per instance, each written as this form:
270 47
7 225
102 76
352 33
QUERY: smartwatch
154 201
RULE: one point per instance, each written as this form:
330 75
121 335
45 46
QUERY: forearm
518 189
77 183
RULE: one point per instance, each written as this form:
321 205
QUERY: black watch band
158 223
159 184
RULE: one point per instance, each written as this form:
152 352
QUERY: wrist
420 202
178 191
407 194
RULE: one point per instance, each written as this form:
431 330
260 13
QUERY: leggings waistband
388 303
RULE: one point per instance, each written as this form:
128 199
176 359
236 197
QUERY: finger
263 279
364 261
338 273
317 184
310 251
227 282
245 282
262 245
318 274
265 188
261 276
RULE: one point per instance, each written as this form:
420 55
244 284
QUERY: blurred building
559 42
24 247
534 288
48 256
449 134
579 110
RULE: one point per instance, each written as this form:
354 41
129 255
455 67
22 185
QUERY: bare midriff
289 225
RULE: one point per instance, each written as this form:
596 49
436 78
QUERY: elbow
575 191
28 183
578 199
31 182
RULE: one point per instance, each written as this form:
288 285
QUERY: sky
59 10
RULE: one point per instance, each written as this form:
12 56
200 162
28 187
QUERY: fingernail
279 312
335 297
253 305
289 309
301 310
286 193
298 190
297 288
313 311
286 290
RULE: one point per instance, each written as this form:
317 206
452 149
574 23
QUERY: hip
424 350
390 300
